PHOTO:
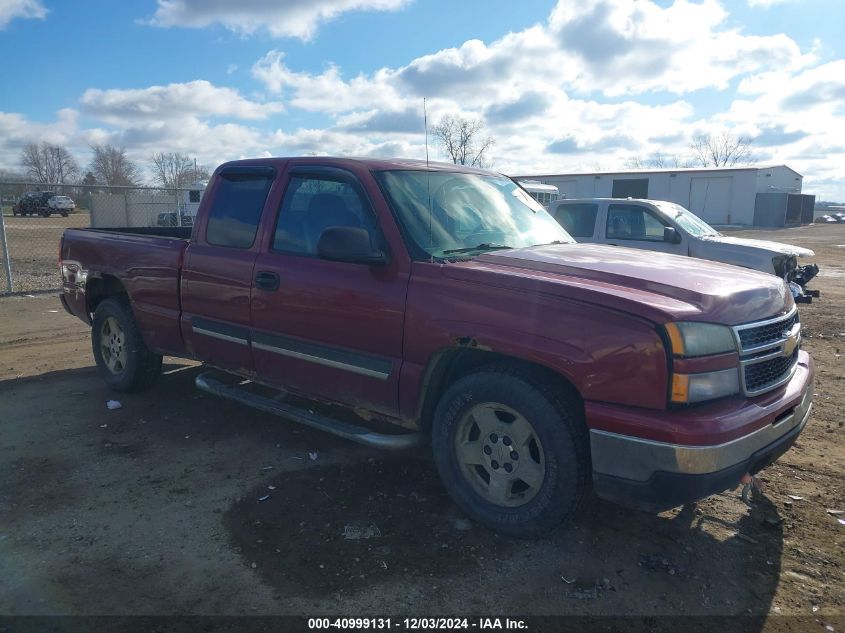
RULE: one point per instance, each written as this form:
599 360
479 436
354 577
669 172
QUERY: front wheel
124 361
511 450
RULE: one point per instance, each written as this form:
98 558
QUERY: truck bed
146 262
171 232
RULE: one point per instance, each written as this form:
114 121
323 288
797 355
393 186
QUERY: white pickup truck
657 225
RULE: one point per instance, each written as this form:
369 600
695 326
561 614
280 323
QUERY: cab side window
633 222
236 210
578 219
311 205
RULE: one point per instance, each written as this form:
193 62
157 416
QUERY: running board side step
359 434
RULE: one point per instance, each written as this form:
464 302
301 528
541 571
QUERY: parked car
35 203
29 204
443 302
657 225
170 219
826 219
61 204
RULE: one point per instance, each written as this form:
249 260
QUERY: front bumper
656 475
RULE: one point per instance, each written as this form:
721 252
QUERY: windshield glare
687 220
471 212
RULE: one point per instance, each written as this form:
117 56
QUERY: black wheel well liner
450 364
100 288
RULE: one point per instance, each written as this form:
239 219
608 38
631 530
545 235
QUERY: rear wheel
511 450
124 361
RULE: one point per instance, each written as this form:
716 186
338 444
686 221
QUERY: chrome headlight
689 338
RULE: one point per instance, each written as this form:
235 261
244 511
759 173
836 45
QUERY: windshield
467 213
687 220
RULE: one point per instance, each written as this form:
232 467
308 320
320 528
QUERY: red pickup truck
418 303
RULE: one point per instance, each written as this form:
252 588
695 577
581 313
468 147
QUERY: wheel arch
450 364
102 287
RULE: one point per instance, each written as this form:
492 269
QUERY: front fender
610 358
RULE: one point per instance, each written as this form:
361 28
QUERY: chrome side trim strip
218 335
364 371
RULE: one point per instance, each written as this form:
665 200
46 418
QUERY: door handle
266 280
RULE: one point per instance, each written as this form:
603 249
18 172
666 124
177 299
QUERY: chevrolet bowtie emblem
790 344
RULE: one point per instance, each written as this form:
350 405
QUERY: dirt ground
156 508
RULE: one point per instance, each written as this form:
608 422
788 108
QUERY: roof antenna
428 184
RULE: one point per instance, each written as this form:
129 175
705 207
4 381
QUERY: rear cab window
238 202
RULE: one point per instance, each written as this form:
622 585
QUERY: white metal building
717 195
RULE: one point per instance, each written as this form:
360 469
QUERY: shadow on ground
175 468
295 532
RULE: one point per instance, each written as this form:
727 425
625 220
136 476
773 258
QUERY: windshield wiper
484 246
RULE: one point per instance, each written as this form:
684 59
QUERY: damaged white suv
667 227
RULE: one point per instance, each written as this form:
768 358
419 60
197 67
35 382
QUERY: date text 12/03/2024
412 624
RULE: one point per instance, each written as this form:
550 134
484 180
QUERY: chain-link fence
34 216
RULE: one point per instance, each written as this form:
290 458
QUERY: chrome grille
763 334
759 376
768 352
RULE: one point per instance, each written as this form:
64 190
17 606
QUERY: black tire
64 214
557 421
141 367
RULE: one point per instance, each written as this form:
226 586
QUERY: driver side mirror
348 244
671 235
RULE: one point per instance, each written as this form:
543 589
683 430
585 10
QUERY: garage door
567 188
710 199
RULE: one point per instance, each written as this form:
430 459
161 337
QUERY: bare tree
172 169
111 166
659 160
46 163
461 139
722 150
202 172
90 180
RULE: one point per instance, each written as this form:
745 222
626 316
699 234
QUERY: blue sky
577 86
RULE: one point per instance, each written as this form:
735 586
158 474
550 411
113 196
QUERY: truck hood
774 248
658 286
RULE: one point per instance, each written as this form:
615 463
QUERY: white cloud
766 3
27 9
613 47
194 98
797 118
629 47
551 97
281 18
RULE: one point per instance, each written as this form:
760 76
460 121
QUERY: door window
632 222
578 219
313 204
